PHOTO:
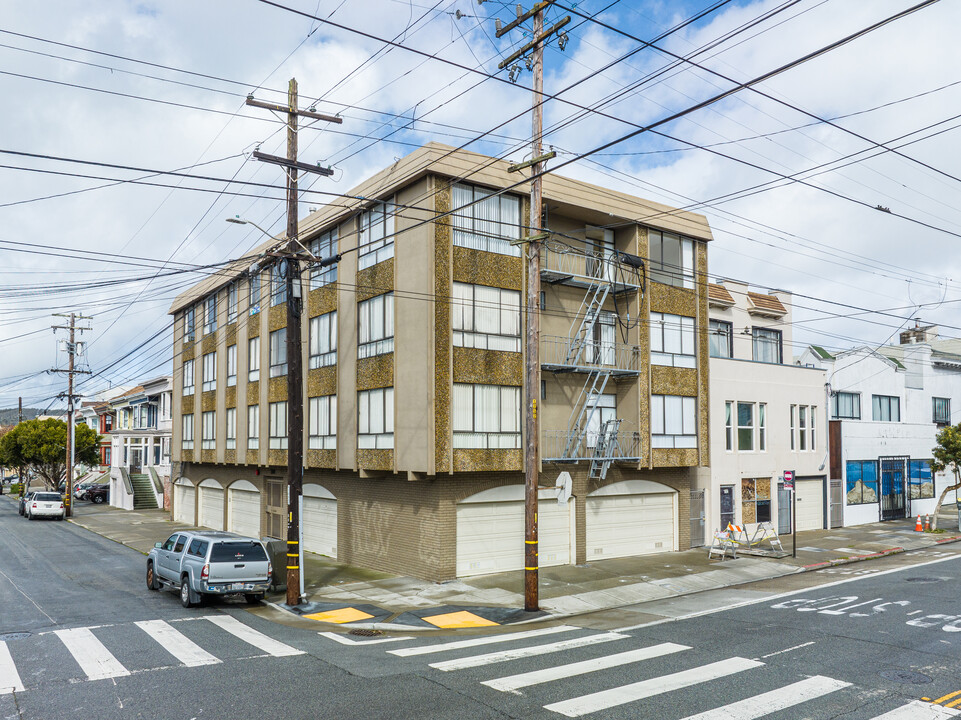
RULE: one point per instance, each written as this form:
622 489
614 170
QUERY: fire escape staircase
604 449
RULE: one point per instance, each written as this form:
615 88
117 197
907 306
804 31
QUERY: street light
237 220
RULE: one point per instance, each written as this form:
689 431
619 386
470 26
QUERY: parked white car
46 504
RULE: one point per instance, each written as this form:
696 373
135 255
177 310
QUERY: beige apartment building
414 352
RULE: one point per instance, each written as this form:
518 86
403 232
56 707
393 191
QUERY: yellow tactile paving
344 615
462 619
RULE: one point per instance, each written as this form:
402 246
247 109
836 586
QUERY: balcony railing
556 352
588 269
554 444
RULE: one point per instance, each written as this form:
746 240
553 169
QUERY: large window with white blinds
323 340
376 235
673 421
672 340
484 221
486 317
375 326
322 423
375 418
486 416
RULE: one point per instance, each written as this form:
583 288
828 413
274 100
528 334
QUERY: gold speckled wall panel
277 458
322 300
253 393
208 401
675 457
187 352
253 326
277 317
230 457
186 456
230 334
208 456
209 343
487 367
321 458
673 381
703 358
673 300
375 280
230 397
477 460
277 390
322 381
375 372
491 269
371 459
442 334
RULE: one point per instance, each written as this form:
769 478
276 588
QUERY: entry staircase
143 494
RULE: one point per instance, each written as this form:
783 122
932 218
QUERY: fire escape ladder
604 449
583 410
589 311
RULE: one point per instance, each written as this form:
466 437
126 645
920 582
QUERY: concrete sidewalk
344 594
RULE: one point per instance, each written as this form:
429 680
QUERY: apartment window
278 352
846 406
485 221
673 421
232 302
254 299
728 425
231 365
603 350
721 339
253 359
745 426
188 377
604 409
885 408
253 427
322 423
278 425
486 416
767 345
324 247
486 317
323 340
187 432
208 437
376 235
920 479
793 426
210 314
278 283
375 418
189 331
761 427
941 411
861 481
210 372
802 427
672 259
231 434
813 413
755 500
376 326
672 340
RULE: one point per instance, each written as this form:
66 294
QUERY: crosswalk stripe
513 683
177 644
91 654
486 640
505 655
253 637
9 677
770 702
918 710
605 699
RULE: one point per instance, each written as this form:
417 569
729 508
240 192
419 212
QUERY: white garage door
184 503
243 510
810 504
490 531
212 507
320 525
630 518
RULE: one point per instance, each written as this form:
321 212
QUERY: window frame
208 430
375 432
662 331
187 431
473 320
765 336
677 275
322 415
277 425
729 425
232 303
889 405
944 417
836 397
372 314
253 427
210 314
372 250
190 329
661 424
718 329
208 379
322 340
254 291
465 230
278 352
745 431
278 284
253 359
230 431
477 423
848 488
752 495
914 481
323 246
232 365
188 374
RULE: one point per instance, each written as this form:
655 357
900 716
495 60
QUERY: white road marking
513 683
770 702
605 699
253 637
344 640
91 654
918 710
9 678
486 640
505 655
177 644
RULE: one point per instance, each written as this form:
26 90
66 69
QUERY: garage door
243 509
320 521
184 496
212 507
810 504
629 518
490 531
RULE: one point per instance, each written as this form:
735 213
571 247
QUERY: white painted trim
633 487
508 493
245 485
210 482
317 491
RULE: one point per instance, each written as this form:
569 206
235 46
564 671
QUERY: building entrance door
894 496
783 510
276 509
727 506
136 460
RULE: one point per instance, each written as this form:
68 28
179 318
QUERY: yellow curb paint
462 619
344 615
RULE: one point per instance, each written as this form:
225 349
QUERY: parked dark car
98 494
22 509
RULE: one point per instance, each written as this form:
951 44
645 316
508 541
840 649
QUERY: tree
947 456
40 446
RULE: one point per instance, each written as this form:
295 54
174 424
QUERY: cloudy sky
836 179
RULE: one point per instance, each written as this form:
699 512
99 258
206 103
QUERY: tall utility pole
537 234
71 371
289 259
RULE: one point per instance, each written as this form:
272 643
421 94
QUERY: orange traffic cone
917 526
927 523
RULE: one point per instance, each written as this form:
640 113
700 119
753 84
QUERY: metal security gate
894 495
697 518
783 510
836 500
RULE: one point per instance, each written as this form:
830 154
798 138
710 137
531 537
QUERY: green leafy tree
40 446
947 457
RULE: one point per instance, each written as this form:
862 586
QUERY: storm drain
5 637
365 632
905 677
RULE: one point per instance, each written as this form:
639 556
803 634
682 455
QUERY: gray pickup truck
206 562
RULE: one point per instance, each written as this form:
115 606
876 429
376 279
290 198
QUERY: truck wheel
253 598
186 594
152 583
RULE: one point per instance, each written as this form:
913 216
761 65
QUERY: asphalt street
82 636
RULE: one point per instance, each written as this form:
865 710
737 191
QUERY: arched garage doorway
210 504
320 520
633 517
243 508
185 500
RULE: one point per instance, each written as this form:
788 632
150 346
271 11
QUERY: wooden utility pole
536 234
71 435
290 264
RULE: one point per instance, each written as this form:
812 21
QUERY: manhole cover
14 636
905 677
923 579
364 632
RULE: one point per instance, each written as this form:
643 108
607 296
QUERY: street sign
789 480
